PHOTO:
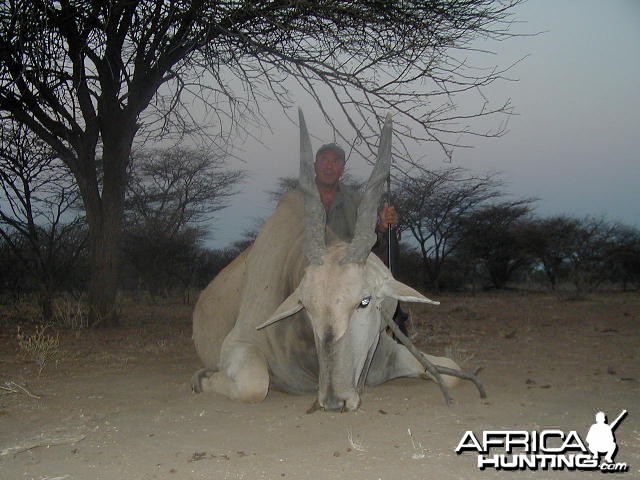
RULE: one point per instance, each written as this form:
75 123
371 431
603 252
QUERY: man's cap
332 147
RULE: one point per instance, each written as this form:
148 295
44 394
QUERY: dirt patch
116 404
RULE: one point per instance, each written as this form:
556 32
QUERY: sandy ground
117 403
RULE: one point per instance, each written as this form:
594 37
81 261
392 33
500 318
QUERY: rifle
389 229
614 424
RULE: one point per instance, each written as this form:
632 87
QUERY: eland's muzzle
342 403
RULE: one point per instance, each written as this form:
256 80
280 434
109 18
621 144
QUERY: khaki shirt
341 217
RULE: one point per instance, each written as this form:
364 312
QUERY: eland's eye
365 302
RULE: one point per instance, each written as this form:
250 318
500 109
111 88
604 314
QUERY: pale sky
574 142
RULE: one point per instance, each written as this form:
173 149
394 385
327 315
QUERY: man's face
329 168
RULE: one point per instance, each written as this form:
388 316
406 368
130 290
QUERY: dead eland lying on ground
302 312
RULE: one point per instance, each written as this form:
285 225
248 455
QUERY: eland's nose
334 403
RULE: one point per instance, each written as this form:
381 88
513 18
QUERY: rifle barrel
617 420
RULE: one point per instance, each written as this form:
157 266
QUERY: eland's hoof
196 379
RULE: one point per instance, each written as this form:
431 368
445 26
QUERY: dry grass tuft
355 444
39 347
71 313
458 354
419 452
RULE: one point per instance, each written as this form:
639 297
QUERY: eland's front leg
243 376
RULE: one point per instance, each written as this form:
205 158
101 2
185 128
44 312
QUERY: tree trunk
103 282
105 216
45 302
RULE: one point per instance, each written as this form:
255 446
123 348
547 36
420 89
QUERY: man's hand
387 217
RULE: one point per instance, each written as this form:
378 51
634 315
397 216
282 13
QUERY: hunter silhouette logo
550 449
600 437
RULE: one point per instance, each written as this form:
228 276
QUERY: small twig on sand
435 370
13 387
43 440
355 445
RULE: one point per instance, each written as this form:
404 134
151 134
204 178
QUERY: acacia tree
623 263
170 193
586 251
88 76
493 236
39 221
432 206
594 242
551 241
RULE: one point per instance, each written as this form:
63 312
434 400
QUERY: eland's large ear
287 308
395 289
